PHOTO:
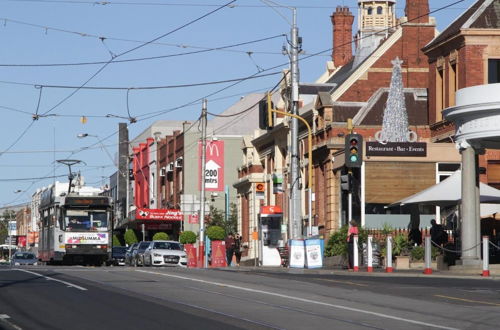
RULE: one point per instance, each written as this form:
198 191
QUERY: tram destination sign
396 149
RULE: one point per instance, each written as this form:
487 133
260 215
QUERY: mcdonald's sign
214 165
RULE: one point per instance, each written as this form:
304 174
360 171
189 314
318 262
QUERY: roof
482 14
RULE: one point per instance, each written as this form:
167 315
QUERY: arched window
370 10
379 10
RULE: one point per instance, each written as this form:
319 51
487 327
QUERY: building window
370 10
439 94
379 10
493 71
453 83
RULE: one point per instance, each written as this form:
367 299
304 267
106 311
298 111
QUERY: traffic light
345 182
265 114
353 150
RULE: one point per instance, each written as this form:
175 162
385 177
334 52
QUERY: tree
160 236
130 237
116 241
216 233
6 216
187 237
217 218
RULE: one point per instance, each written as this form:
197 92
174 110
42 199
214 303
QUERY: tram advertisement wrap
86 238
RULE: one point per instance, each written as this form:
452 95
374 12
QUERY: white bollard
369 252
486 256
388 267
355 264
428 255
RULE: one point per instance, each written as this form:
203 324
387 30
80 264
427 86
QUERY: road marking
341 282
54 279
467 300
387 316
4 319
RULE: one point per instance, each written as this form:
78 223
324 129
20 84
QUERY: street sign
214 165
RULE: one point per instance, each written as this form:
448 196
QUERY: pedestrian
229 248
353 230
238 248
438 235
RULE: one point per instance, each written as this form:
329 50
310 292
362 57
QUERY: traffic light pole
309 165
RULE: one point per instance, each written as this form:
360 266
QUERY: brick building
355 86
465 54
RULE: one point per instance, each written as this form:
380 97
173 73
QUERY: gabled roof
483 14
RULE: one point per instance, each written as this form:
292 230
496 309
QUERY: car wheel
151 261
135 262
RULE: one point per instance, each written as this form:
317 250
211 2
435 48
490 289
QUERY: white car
165 253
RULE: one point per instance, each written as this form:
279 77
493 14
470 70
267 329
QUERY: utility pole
295 197
203 261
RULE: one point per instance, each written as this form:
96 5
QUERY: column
469 235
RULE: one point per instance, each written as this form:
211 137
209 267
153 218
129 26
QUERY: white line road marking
54 279
4 318
387 316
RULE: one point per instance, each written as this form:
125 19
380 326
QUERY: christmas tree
395 122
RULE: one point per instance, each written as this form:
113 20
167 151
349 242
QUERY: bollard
388 266
486 256
428 255
355 264
369 252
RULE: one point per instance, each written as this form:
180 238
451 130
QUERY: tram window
99 220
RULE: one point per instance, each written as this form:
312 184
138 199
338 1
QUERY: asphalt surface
242 298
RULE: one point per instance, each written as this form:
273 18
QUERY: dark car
138 256
24 258
129 255
118 256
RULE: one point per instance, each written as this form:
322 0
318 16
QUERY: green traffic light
354 158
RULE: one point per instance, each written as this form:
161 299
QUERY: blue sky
50 32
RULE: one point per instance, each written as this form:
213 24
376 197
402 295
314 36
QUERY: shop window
493 71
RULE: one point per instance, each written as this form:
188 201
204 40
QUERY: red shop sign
158 214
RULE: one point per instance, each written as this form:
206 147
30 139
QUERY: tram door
270 236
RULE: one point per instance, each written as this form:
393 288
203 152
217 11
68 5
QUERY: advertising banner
194 219
158 214
214 165
86 238
297 254
314 255
12 228
218 254
191 255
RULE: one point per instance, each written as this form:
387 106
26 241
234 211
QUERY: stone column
469 235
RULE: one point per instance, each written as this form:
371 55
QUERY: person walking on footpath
353 230
229 248
237 248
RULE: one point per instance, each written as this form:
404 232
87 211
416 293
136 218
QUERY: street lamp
103 147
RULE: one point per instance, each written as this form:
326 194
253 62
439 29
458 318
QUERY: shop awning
449 192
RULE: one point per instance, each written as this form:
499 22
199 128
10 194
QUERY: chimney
342 21
417 11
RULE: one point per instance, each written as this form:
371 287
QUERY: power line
133 49
205 50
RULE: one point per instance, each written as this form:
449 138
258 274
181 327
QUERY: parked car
24 258
165 253
138 256
130 254
118 256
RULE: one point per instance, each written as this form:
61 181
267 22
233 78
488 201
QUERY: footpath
380 272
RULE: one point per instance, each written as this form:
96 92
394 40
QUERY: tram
75 227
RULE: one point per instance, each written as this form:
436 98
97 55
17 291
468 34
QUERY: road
177 298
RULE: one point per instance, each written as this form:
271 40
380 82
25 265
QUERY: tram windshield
80 220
